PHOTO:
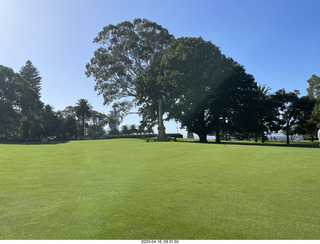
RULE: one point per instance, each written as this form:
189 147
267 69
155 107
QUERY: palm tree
125 130
150 129
262 97
83 110
133 129
141 129
263 92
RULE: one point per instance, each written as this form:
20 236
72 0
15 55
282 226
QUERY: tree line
24 117
139 63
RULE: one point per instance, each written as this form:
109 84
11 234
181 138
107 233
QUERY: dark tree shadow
32 143
265 144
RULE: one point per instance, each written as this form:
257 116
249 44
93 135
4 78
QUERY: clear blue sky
278 41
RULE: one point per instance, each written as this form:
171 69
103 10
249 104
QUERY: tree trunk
261 129
255 137
287 129
83 128
218 135
203 138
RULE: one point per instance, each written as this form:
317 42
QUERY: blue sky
278 41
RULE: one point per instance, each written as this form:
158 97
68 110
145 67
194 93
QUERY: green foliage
133 129
315 117
83 111
262 110
96 128
314 86
31 74
114 131
200 87
310 127
29 103
24 117
125 130
287 105
50 121
125 50
9 86
305 124
71 127
96 132
139 62
20 107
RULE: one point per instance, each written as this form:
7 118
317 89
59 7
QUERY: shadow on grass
267 144
278 144
32 143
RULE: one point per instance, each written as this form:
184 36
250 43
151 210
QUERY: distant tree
69 111
31 112
315 116
232 103
149 129
98 122
114 120
60 126
70 124
96 131
83 110
125 50
133 129
314 93
31 74
141 129
50 121
266 113
314 86
262 108
287 107
125 130
305 122
30 104
114 132
98 118
9 99
20 106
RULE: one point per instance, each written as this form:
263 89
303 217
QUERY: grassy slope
130 189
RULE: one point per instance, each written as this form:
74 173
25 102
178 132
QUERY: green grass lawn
131 189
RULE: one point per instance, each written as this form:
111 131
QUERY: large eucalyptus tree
125 51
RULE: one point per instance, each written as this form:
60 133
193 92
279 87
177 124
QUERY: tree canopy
314 93
200 87
83 111
314 86
140 63
9 100
125 51
31 74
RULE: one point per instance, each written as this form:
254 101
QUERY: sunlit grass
131 189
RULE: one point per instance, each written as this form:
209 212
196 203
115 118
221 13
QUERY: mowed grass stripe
130 189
